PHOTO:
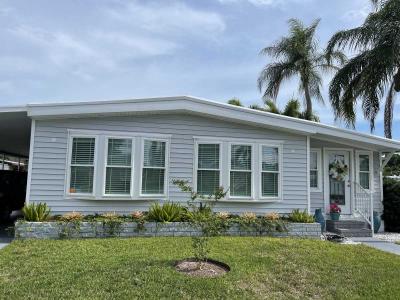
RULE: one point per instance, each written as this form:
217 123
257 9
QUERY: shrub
168 212
272 216
391 205
70 224
112 223
298 216
140 219
267 224
72 217
36 212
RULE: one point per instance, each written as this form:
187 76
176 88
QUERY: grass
143 268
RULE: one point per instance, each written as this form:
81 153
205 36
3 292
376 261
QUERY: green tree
374 72
292 109
393 166
298 54
235 101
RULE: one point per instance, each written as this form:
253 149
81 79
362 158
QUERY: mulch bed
209 268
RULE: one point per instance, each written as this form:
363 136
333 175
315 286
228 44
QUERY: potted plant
335 211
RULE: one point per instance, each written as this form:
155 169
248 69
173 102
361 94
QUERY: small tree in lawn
202 218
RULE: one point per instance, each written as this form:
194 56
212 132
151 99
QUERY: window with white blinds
315 169
118 167
364 175
270 171
208 168
153 172
82 165
241 171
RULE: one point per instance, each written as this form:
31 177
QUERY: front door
339 179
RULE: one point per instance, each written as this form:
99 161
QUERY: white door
339 187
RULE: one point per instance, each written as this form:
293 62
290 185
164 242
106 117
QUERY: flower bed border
57 230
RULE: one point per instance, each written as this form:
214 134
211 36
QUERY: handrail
364 203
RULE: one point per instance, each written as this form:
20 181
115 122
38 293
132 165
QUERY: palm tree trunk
309 109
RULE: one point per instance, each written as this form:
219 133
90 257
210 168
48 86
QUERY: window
82 165
270 172
208 168
364 170
118 167
153 173
315 169
240 174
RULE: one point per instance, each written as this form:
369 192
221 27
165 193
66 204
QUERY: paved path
378 244
2 245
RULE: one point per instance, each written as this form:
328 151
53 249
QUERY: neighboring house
122 156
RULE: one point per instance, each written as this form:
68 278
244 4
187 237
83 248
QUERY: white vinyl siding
181 132
118 167
82 164
208 168
270 172
241 171
153 172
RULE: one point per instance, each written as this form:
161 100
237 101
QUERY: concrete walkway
378 244
2 245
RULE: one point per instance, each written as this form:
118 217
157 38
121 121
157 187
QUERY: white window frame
371 168
196 160
166 167
69 161
251 197
280 171
132 166
101 148
319 170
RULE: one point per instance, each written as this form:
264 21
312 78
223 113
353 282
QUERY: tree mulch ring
195 268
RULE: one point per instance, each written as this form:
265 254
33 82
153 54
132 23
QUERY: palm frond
389 106
292 108
273 75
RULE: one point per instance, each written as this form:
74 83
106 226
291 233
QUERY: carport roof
15 130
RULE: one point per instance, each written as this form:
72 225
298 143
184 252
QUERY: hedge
391 203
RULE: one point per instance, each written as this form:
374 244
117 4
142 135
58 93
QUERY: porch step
349 228
363 232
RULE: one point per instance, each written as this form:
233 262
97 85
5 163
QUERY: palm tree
235 101
298 54
374 72
292 109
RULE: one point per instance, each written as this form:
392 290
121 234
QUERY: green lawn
143 268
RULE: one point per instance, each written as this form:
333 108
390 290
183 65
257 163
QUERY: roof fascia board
203 107
9 109
164 105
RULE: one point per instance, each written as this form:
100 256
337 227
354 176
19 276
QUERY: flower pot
377 222
335 216
319 218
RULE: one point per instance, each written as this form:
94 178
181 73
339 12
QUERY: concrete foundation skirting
57 230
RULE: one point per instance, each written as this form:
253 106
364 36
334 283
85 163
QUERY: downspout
30 162
308 176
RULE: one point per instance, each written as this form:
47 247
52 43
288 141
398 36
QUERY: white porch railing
364 204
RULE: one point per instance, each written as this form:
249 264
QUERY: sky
78 50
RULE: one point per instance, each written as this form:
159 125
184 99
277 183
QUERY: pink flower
334 208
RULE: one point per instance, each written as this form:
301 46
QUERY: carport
15 132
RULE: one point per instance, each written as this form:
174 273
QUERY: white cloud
136 45
168 18
61 48
273 3
358 15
